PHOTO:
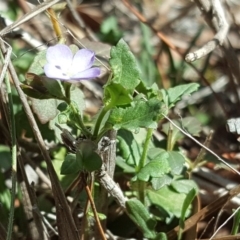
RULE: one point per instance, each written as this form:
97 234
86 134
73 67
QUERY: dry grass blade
42 7
36 227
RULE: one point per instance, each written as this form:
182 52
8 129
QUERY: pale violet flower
63 65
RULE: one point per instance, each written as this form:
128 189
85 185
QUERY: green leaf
38 63
54 87
43 87
129 149
157 153
77 96
158 183
186 204
176 162
184 185
110 30
110 24
120 162
45 109
22 125
161 236
169 200
116 95
124 66
24 59
70 165
140 114
67 114
34 87
35 82
174 94
149 92
57 131
33 93
155 168
87 158
141 217
148 66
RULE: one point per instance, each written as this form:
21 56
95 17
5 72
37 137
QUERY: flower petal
60 55
87 74
82 60
52 71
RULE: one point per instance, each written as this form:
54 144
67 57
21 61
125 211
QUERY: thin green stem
77 116
235 225
14 154
142 162
141 191
169 139
102 132
67 86
103 112
79 122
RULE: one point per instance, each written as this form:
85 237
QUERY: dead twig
89 194
219 37
36 226
111 187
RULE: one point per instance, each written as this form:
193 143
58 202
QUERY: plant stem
236 221
103 112
142 162
141 191
145 149
14 155
103 132
79 122
169 139
78 118
67 86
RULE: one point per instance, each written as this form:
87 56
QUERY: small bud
62 118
